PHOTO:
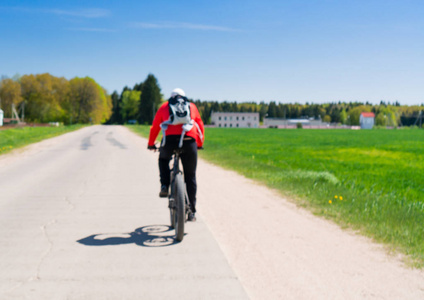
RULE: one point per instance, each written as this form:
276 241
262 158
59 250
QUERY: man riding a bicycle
182 128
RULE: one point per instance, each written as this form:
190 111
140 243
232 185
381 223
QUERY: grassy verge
18 137
370 181
144 131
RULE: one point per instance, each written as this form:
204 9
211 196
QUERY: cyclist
189 135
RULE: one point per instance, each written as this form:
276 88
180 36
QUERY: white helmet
177 92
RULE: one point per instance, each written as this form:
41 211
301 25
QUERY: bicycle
179 206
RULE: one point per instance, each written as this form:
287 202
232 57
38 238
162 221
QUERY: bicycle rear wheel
179 207
172 213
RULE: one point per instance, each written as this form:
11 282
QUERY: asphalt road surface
80 218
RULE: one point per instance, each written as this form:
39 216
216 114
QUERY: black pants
189 162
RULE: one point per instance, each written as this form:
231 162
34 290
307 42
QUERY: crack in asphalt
49 240
47 251
72 206
42 258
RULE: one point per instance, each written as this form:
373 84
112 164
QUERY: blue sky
286 51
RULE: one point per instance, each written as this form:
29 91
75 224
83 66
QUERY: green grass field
368 180
19 137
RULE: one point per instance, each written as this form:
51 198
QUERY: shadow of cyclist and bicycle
146 236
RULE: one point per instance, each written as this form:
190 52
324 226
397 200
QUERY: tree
272 110
83 93
149 100
320 112
262 111
386 116
10 93
335 115
88 101
343 116
48 98
116 117
44 96
327 119
106 104
380 119
205 111
355 113
129 105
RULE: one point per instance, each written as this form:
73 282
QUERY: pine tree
115 118
149 100
272 110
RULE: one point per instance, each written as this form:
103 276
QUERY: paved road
80 219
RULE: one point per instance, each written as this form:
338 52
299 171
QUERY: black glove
153 147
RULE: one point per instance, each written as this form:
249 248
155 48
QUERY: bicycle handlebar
155 148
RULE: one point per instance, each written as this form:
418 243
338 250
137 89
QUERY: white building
235 119
278 122
367 120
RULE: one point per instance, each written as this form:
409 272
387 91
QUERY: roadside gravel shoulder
281 251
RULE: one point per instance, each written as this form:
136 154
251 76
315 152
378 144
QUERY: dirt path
280 251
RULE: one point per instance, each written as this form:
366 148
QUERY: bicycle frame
176 163
175 170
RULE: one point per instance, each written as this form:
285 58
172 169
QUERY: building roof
232 112
368 115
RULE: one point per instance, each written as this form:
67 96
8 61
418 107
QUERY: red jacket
162 115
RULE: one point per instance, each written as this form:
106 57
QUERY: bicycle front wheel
179 207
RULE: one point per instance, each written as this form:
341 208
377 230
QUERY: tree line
387 114
139 104
44 98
